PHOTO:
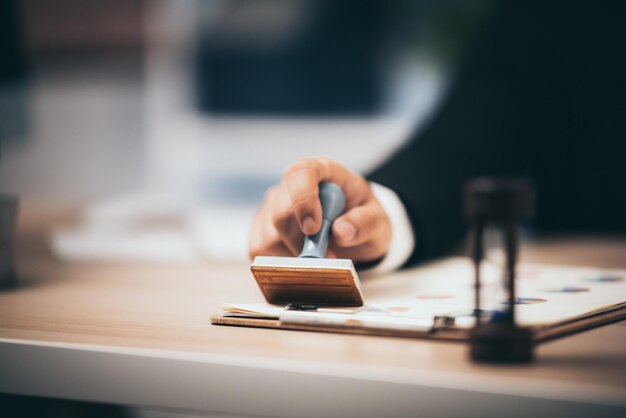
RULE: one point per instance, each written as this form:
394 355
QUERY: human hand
292 208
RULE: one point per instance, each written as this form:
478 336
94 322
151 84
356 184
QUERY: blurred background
165 121
189 110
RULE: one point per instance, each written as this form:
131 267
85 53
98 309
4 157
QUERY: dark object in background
36 407
12 64
304 57
541 97
8 221
62 41
503 204
14 117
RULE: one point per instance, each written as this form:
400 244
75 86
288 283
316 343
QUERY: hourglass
499 204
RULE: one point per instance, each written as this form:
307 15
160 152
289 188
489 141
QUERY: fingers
362 224
266 242
292 208
284 221
302 179
361 253
264 239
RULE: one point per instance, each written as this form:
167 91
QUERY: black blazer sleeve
522 105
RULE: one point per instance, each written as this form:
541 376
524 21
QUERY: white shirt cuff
402 239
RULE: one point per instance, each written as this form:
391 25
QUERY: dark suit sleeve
541 97
483 128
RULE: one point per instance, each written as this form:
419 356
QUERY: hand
292 208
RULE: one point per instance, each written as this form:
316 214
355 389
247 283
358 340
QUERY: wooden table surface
152 310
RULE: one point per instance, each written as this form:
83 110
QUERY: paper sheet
411 299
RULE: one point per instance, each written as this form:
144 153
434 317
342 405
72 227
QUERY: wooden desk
139 335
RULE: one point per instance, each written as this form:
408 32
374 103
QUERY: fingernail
308 225
346 230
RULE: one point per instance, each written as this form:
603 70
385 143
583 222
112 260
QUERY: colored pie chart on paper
525 301
605 279
399 308
434 296
568 289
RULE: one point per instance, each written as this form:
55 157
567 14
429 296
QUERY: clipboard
556 301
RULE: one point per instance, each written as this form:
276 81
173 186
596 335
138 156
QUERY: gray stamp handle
333 204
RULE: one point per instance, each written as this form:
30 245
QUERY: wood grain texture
317 286
168 307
